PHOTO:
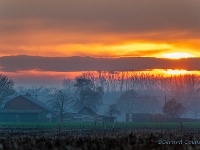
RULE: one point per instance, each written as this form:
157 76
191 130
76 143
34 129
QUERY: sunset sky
96 28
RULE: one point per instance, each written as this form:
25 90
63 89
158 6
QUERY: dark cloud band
70 64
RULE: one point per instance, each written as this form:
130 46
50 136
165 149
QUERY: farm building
146 117
25 108
87 114
22 116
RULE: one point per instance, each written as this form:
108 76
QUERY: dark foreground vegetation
99 139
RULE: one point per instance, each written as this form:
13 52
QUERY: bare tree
60 100
6 88
113 110
182 87
173 108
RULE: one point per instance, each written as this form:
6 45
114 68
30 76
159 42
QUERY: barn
87 115
25 108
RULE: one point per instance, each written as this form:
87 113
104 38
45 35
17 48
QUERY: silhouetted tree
128 101
113 110
131 102
149 104
6 88
86 94
173 109
60 100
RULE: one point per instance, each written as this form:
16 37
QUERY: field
108 136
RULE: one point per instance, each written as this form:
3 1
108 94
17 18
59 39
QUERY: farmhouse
25 108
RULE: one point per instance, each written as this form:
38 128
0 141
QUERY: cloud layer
42 27
76 64
50 71
109 16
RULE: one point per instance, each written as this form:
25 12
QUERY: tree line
184 88
139 92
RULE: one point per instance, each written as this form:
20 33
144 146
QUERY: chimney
28 94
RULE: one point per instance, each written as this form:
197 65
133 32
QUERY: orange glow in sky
100 29
54 79
119 49
103 28
177 55
173 72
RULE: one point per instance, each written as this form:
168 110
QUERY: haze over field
135 55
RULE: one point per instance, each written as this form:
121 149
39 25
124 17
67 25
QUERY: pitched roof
87 111
37 102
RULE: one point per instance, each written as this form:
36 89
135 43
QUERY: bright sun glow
176 71
169 72
177 55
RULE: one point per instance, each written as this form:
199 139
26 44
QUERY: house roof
37 102
87 111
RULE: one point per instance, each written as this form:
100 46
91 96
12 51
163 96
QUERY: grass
100 125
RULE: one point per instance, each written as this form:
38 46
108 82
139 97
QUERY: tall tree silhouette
173 109
129 102
87 95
